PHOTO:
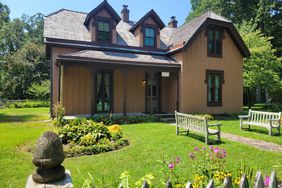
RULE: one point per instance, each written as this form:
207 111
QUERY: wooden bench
268 120
196 123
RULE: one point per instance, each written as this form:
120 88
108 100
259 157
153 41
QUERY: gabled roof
151 14
103 5
186 33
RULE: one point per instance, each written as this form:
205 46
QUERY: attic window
214 42
103 31
149 37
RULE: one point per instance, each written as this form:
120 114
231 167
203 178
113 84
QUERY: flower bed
86 137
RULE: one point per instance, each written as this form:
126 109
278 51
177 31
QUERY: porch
96 82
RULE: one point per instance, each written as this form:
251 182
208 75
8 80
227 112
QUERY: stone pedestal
64 183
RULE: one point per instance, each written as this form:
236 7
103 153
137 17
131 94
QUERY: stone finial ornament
48 157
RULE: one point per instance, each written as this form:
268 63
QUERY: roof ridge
63 9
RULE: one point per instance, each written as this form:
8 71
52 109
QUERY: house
106 63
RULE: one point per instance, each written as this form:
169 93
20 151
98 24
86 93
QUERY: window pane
149 41
103 26
210 89
150 32
217 88
217 43
103 36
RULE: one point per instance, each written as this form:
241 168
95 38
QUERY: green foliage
111 120
262 68
59 112
4 14
40 91
27 104
209 117
86 137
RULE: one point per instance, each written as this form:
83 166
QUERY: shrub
111 120
86 137
26 104
40 91
59 112
207 116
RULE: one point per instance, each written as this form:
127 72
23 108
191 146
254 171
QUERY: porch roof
111 57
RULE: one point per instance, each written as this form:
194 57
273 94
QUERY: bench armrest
244 116
274 120
214 125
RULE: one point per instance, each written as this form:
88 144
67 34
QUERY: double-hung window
214 42
214 87
103 31
149 37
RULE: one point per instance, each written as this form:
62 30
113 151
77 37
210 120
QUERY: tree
40 91
26 66
34 26
261 69
4 14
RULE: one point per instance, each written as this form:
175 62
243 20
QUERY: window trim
221 81
221 30
144 26
110 27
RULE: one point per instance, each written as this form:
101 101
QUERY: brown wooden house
104 63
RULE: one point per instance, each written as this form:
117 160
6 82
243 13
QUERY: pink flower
177 160
196 148
223 153
171 165
192 155
211 147
216 150
266 180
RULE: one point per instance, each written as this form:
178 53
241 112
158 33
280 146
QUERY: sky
138 8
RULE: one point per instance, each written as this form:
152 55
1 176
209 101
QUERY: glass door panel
103 91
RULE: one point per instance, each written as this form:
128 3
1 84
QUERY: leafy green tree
40 91
26 66
261 69
34 26
4 14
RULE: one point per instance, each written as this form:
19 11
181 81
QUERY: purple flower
196 149
192 155
216 150
266 180
211 147
204 148
171 165
223 153
177 160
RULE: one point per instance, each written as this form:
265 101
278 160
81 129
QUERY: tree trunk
267 102
258 95
249 98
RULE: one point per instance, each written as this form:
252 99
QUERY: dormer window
149 37
103 31
214 42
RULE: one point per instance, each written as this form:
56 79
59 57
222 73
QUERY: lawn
149 142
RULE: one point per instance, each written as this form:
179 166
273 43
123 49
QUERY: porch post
151 78
59 80
177 91
93 71
124 75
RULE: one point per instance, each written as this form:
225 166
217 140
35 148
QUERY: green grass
260 133
149 142
23 114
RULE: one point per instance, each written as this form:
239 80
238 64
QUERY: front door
104 90
153 93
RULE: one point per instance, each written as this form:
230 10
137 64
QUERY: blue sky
165 8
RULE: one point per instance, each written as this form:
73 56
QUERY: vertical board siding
76 90
168 93
193 89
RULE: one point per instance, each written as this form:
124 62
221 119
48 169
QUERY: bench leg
278 129
207 139
187 132
240 124
270 131
218 137
177 130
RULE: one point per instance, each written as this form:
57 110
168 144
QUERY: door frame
157 77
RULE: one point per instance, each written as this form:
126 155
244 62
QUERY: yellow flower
237 180
114 128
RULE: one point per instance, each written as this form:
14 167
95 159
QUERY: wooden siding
76 90
168 93
195 62
135 91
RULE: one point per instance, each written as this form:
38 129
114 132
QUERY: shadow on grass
201 138
261 131
18 118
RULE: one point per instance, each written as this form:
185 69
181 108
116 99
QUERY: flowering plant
209 163
170 170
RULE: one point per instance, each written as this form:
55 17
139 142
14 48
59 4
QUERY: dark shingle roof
151 14
69 25
120 58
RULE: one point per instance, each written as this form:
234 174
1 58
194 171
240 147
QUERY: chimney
125 13
173 22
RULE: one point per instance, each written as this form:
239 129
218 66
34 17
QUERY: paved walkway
253 142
